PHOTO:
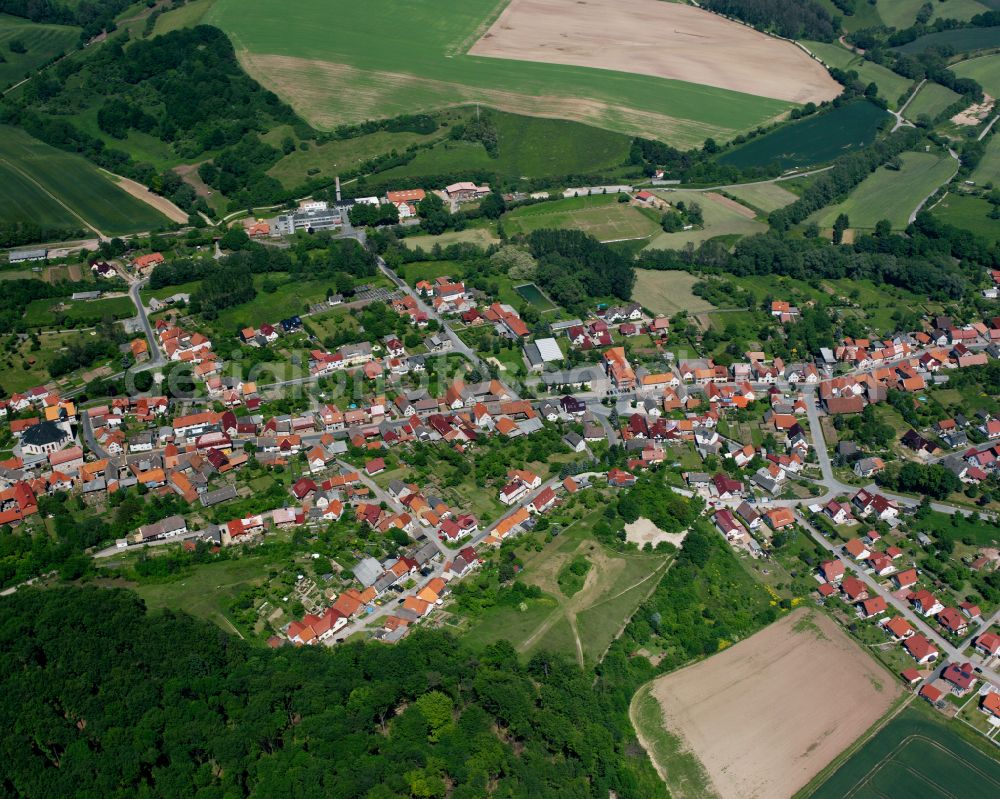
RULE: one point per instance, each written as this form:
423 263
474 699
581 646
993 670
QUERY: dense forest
575 267
93 16
793 19
103 699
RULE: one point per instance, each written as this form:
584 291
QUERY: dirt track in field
665 40
140 192
766 715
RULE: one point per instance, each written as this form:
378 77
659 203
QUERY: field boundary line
479 31
31 179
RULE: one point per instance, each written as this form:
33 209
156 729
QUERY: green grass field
208 590
668 292
915 754
988 170
890 194
903 13
890 84
41 43
931 100
374 60
40 313
985 70
765 196
480 236
600 215
721 219
960 40
187 16
528 146
970 213
16 378
34 177
814 140
615 586
289 298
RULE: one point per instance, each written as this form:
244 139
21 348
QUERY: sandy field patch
665 40
642 531
140 192
766 715
975 113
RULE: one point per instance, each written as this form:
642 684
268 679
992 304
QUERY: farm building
20 256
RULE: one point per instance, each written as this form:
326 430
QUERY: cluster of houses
266 334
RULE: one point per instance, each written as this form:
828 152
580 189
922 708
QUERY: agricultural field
600 215
722 217
916 749
932 99
988 170
764 196
667 293
41 44
891 194
373 62
583 625
814 140
42 184
985 70
813 692
970 213
961 40
890 84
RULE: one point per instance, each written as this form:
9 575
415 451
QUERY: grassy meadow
988 170
721 218
890 84
41 42
378 60
891 194
668 292
970 213
932 99
35 177
600 215
764 196
960 40
985 70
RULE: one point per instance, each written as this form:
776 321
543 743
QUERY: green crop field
988 170
890 84
915 754
41 43
480 236
985 70
970 213
600 215
961 40
722 218
43 176
891 194
814 140
932 99
376 60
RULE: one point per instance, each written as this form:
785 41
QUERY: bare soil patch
768 714
665 40
140 192
975 113
642 531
